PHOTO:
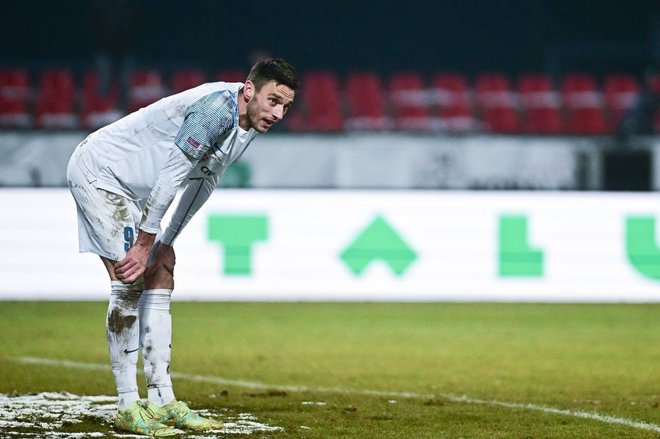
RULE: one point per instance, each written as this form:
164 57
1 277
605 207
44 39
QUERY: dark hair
273 69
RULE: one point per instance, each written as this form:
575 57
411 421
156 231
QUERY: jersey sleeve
172 175
207 119
194 195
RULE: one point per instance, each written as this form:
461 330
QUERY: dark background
429 36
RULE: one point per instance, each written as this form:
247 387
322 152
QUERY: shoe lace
181 410
146 410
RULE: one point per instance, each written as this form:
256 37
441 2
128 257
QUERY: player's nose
278 112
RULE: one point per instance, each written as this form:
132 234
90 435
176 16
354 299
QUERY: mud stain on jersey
147 208
121 213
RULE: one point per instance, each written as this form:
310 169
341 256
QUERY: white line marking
412 395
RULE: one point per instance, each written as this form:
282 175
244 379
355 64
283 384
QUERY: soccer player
124 177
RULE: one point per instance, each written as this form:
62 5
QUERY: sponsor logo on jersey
193 142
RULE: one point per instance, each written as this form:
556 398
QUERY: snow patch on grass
56 414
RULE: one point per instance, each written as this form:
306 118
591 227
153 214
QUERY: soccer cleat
140 418
178 414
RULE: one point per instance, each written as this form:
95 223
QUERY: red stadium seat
146 87
583 105
365 103
186 79
540 105
56 100
453 104
319 105
15 95
98 109
496 103
410 103
621 93
231 75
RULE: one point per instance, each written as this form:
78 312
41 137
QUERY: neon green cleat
140 418
178 414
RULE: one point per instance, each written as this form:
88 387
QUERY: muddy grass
59 415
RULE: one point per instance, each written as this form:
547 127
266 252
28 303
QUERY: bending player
123 178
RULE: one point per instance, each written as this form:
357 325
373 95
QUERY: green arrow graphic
237 234
641 247
378 241
516 256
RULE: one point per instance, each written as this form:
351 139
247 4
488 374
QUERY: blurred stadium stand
56 105
409 102
318 108
513 94
496 103
531 103
365 102
98 107
452 101
15 92
540 105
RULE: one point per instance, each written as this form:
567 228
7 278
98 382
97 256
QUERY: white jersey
189 137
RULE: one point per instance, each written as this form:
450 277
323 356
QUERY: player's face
268 106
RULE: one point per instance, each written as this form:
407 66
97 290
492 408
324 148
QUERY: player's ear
248 90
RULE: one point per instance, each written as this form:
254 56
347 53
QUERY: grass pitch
364 370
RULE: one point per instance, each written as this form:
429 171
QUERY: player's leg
156 323
156 342
110 235
105 232
123 334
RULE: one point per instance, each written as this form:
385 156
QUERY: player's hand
129 269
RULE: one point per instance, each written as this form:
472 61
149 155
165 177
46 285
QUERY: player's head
273 69
268 92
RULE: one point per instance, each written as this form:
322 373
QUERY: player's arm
196 193
208 119
200 184
178 165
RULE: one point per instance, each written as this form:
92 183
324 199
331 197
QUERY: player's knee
161 277
168 268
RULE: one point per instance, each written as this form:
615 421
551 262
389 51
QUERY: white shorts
107 222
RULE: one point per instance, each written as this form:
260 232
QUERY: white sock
156 343
123 335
